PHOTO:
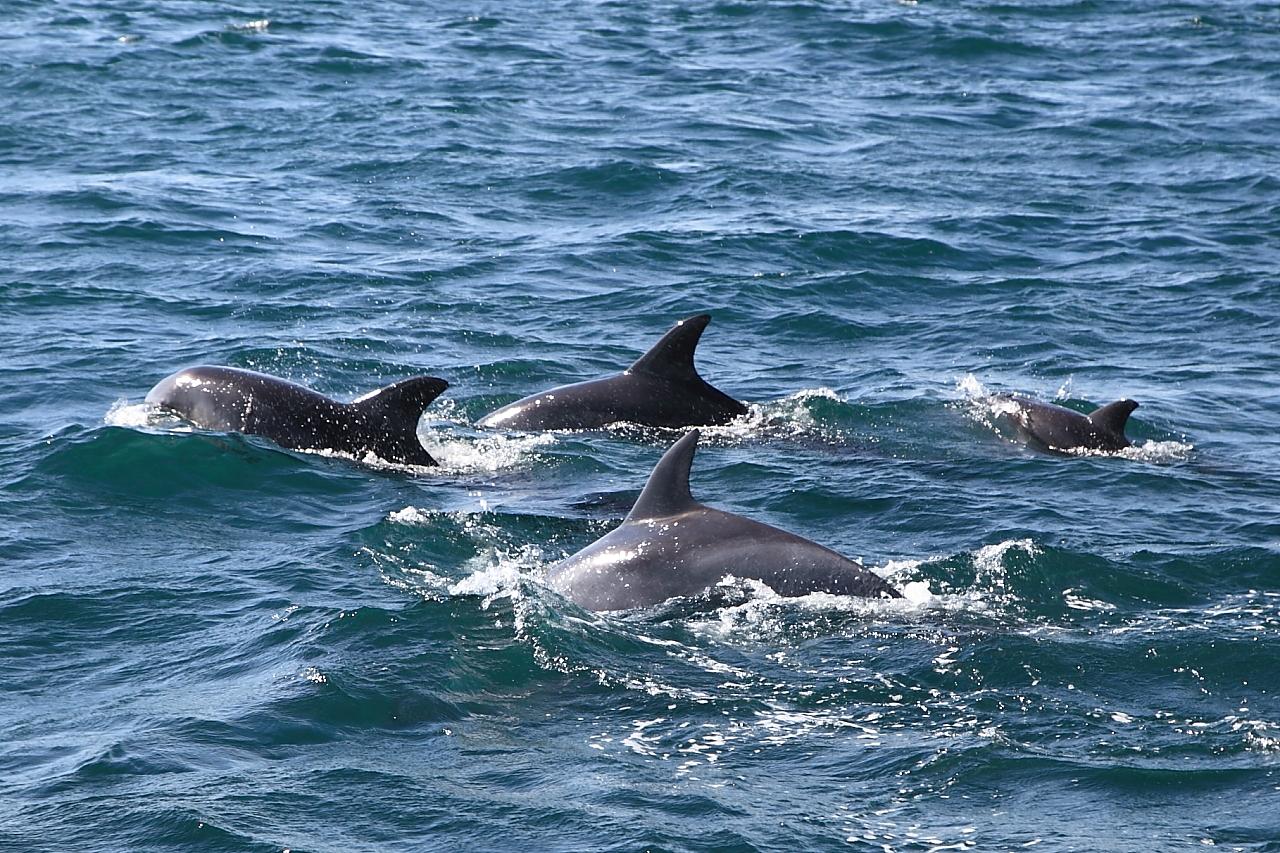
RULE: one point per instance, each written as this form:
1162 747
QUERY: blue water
891 210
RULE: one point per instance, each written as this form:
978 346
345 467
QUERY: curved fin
672 357
407 397
667 491
1113 416
396 410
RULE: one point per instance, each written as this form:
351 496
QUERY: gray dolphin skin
671 545
384 422
1049 427
661 389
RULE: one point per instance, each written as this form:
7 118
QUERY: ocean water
892 210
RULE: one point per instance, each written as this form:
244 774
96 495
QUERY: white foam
787 417
495 571
1079 602
918 594
410 515
970 387
458 455
692 749
479 527
761 613
982 405
492 581
469 455
989 559
314 675
1260 735
989 591
143 416
125 414
484 455
819 393
372 460
1154 452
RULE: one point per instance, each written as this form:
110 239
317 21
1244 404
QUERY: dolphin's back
1058 428
649 561
625 398
662 388
670 545
383 422
231 399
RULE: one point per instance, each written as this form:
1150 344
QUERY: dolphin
661 389
1049 427
382 422
670 545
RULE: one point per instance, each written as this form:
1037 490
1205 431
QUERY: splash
445 411
1259 735
982 398
970 387
796 415
125 414
410 515
983 405
757 611
1153 452
491 453
144 416
988 560
370 459
478 527
472 454
498 575
497 571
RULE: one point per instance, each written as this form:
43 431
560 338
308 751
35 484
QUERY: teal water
890 209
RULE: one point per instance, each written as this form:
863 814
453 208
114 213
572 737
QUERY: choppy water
891 210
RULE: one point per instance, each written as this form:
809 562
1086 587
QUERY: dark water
890 210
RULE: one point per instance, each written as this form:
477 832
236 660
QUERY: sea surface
892 211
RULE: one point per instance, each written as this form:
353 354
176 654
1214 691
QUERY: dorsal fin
406 398
667 491
672 357
1113 416
396 410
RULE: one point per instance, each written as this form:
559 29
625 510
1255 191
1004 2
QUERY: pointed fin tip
1113 416
667 490
398 407
418 391
672 355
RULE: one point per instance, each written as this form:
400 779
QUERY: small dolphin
661 389
382 422
1050 427
671 545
